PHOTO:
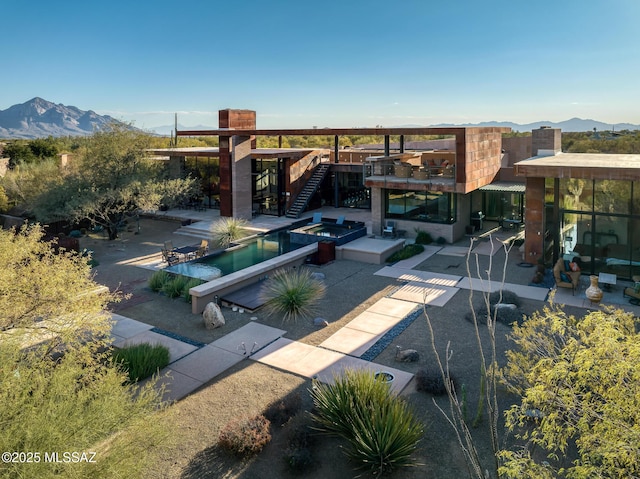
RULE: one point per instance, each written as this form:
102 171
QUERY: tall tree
579 380
113 179
59 391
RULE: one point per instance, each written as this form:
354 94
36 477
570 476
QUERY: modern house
576 205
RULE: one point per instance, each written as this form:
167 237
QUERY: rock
320 322
317 276
505 306
212 316
408 356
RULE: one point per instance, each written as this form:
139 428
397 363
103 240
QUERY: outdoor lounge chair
340 220
168 245
565 278
389 229
317 218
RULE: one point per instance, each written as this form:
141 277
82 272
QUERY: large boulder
213 317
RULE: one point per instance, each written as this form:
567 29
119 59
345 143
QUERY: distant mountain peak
39 118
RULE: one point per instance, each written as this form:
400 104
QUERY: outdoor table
186 250
607 279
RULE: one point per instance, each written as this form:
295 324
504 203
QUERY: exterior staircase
302 200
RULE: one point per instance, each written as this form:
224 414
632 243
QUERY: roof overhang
587 166
210 152
504 187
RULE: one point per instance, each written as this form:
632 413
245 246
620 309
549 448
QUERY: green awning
504 187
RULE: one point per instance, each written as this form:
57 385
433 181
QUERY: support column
241 179
534 220
336 159
387 149
241 119
377 210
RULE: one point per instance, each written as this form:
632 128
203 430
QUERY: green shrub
141 360
191 283
280 411
245 437
431 382
293 293
381 430
405 253
175 286
299 459
441 240
422 237
158 280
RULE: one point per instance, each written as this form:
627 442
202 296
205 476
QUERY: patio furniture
633 292
389 229
340 220
168 245
317 218
565 278
187 251
170 257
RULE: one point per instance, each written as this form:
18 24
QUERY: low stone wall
372 251
205 293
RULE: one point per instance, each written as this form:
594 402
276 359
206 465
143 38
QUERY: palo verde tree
579 379
112 180
59 391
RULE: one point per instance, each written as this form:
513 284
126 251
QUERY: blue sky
330 63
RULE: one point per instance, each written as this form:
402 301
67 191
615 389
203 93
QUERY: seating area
171 255
633 292
565 277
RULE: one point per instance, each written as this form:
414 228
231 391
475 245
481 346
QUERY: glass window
612 196
429 207
576 194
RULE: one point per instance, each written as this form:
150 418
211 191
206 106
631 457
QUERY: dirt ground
247 388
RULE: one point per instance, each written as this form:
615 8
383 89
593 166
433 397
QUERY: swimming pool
247 253
338 233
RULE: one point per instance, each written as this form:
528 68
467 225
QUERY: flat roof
203 151
344 131
588 166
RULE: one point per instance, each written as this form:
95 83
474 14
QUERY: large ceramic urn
593 292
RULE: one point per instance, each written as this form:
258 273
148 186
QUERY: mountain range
38 118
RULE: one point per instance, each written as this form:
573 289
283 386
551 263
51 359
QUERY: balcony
409 172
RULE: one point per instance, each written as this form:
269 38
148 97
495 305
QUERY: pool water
249 253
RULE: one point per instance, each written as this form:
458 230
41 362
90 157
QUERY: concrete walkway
193 365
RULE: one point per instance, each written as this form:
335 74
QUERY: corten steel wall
477 159
534 220
239 119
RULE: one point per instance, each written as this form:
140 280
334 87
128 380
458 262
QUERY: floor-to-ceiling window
600 224
267 174
207 170
425 206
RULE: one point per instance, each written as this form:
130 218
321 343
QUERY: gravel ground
247 388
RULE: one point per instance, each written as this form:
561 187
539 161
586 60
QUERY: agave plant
294 293
227 230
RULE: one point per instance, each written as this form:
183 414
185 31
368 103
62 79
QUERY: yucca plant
294 293
381 430
141 360
227 230
158 280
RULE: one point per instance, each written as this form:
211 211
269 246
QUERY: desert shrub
191 283
299 430
158 280
141 360
294 293
227 230
174 287
245 437
405 253
280 411
441 240
299 459
381 430
422 237
431 382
